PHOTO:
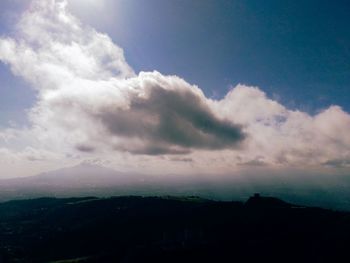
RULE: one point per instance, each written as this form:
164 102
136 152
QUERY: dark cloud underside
171 121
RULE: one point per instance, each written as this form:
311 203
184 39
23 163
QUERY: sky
293 50
221 87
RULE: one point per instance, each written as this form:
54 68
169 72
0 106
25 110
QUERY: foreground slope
169 229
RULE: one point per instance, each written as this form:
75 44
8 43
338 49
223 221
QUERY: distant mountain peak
84 167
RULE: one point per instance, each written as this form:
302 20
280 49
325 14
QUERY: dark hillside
154 229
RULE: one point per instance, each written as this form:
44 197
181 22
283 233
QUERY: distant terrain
170 229
93 180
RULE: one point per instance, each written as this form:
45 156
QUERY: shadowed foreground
169 229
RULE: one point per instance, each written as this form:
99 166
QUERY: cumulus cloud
90 101
87 88
280 136
169 116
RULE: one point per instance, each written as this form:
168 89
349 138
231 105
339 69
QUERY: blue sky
15 93
298 52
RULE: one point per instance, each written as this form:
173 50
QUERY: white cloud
91 103
285 137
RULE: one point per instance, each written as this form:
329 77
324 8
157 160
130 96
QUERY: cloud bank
90 103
